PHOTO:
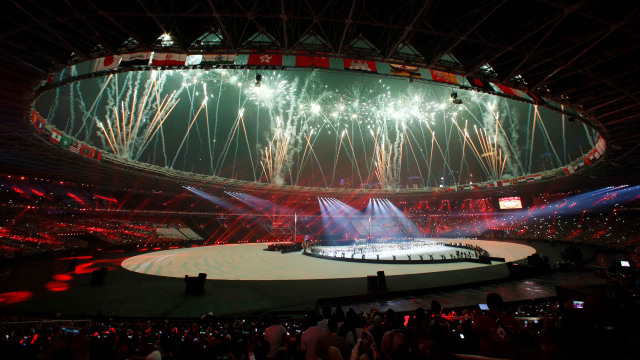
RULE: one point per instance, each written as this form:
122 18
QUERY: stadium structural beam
117 24
225 33
346 26
468 33
153 16
51 31
408 29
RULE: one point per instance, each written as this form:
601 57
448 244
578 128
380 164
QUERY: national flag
444 77
312 61
48 80
361 65
505 183
87 151
98 155
193 60
65 141
56 136
587 161
537 177
75 146
37 121
219 59
601 146
265 59
537 99
405 70
480 84
510 91
568 170
168 59
134 59
106 63
597 153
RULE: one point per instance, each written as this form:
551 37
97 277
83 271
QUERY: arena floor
245 280
251 262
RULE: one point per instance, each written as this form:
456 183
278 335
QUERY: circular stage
251 262
247 280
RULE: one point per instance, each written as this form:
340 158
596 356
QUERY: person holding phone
498 331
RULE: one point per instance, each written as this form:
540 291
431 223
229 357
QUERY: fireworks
313 128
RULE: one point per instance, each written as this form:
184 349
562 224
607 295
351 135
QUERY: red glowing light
76 257
15 297
57 286
62 277
37 192
106 198
76 198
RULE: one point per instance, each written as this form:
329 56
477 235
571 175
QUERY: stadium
207 169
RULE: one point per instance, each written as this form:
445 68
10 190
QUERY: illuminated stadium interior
316 128
210 166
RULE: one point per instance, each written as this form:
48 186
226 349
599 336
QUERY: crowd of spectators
29 233
543 329
40 216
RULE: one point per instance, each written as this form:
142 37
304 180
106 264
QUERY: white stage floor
251 262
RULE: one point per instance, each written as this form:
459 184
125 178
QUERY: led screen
512 202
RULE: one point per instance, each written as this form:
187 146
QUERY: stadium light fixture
454 98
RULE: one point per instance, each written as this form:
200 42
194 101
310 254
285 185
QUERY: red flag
170 59
444 77
37 121
362 65
480 84
312 61
98 155
87 151
265 59
537 99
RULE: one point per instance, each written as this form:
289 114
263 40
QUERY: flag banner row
304 60
67 142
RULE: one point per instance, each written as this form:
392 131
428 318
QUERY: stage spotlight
454 98
258 80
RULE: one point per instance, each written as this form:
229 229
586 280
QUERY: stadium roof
582 53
